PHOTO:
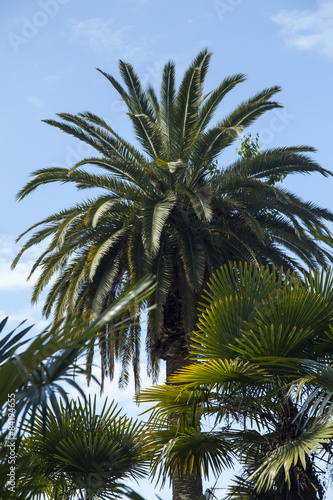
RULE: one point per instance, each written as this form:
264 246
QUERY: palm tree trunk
172 347
190 487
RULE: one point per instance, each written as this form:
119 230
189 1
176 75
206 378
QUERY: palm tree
167 208
162 210
80 452
262 371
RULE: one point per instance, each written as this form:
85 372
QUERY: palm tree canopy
166 209
80 451
262 371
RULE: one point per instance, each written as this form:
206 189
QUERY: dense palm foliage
78 451
33 373
34 370
170 209
262 371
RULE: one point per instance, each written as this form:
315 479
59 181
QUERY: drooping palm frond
37 373
189 452
291 454
33 379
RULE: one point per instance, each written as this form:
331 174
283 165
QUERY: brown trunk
172 346
175 362
302 487
191 487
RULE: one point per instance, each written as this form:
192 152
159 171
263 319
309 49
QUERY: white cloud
308 29
50 78
35 101
101 34
30 316
16 278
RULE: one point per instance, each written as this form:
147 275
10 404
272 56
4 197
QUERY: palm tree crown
166 209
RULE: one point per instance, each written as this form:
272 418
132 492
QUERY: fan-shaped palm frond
190 452
80 450
33 375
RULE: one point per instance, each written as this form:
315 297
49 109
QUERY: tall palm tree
167 208
262 362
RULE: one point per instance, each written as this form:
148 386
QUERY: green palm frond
155 215
97 252
215 97
38 373
187 453
165 117
292 453
163 270
218 372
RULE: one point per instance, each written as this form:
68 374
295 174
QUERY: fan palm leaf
78 449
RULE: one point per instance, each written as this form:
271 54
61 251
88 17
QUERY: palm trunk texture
175 353
172 347
191 487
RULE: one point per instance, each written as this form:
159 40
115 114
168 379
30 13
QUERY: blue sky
50 49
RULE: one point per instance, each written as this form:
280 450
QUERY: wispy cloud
104 35
50 78
16 278
27 315
35 101
308 29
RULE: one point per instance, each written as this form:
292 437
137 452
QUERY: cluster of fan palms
262 374
168 208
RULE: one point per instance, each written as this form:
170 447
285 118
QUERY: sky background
50 50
